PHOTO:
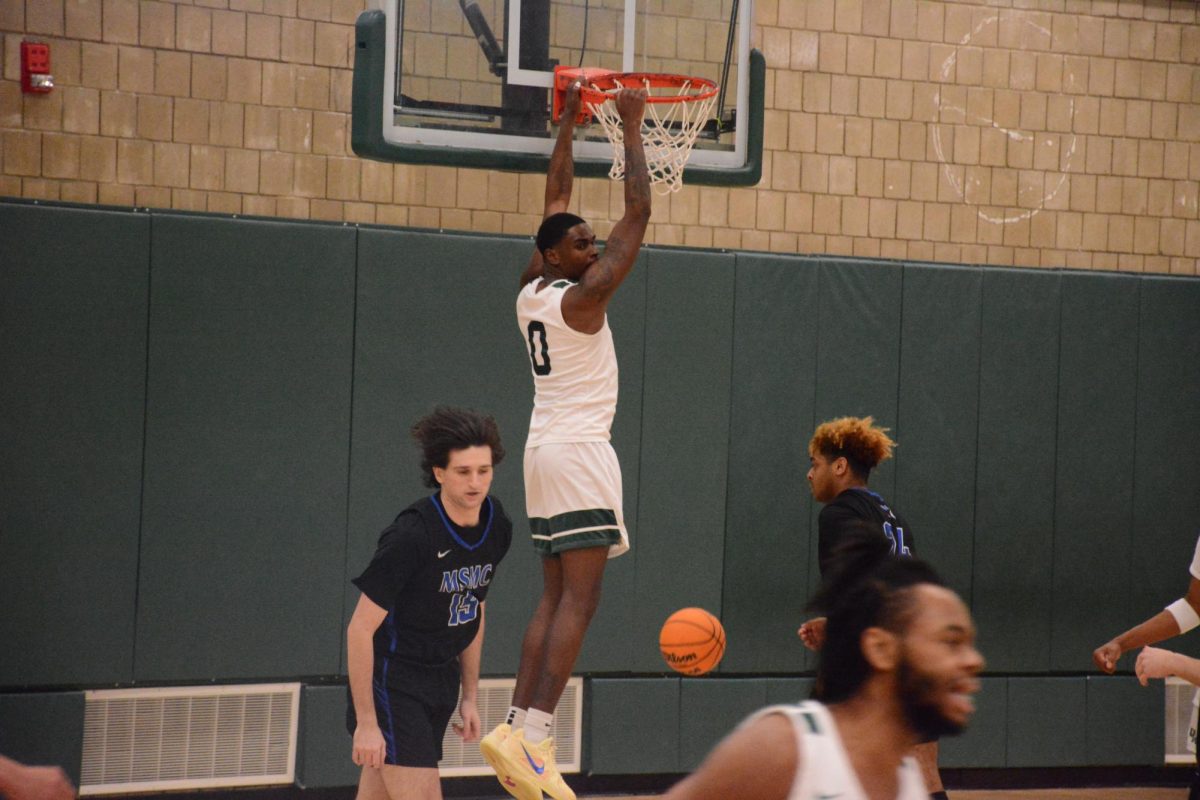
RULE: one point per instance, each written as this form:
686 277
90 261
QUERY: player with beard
899 665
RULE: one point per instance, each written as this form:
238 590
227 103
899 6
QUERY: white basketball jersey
574 374
825 770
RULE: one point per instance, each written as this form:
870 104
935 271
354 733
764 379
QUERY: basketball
692 641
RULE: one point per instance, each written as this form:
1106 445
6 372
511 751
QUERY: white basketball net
668 132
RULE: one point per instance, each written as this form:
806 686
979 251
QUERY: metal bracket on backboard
367 140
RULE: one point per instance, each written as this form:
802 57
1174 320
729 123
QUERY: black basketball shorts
413 706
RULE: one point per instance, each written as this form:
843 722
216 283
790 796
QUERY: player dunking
572 478
842 454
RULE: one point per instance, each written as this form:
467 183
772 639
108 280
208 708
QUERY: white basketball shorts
573 497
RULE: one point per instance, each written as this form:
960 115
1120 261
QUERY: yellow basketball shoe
511 779
534 765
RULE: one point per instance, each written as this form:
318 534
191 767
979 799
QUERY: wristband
1184 615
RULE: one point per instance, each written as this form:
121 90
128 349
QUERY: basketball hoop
677 108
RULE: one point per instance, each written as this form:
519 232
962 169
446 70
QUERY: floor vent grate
1178 718
189 737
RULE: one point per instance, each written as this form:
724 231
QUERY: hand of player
1106 656
470 728
1153 662
41 783
812 633
369 748
571 103
631 104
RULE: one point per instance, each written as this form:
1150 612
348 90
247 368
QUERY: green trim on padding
366 124
813 727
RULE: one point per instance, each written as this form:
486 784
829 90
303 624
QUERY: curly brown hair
449 428
863 444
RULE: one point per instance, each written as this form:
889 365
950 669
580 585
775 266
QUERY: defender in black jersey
842 454
417 632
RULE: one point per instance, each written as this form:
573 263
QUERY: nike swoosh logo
539 768
828 796
443 555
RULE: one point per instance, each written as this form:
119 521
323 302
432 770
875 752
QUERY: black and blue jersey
852 505
431 576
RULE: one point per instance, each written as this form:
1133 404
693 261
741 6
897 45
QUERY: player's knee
582 602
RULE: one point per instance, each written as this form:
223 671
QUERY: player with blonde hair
841 454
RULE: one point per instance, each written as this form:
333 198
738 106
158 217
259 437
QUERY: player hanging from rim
842 454
572 478
1180 617
417 632
899 666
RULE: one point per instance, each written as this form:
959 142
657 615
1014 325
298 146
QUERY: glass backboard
468 82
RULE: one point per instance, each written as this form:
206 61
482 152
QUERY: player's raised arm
585 305
560 177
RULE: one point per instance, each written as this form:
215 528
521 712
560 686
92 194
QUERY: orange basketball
692 641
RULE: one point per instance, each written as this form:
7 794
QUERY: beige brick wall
1024 132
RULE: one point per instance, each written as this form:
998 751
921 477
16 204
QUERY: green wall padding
1047 460
709 708
1047 722
766 563
631 725
681 503
938 416
788 690
72 390
1124 721
983 743
247 446
1093 510
325 745
858 348
1014 503
1166 505
44 728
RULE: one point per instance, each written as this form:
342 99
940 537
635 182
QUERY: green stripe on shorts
593 527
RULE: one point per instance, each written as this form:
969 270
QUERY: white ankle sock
537 726
515 718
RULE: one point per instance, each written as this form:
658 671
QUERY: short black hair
554 228
866 587
448 429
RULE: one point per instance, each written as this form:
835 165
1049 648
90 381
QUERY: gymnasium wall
1056 133
205 428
